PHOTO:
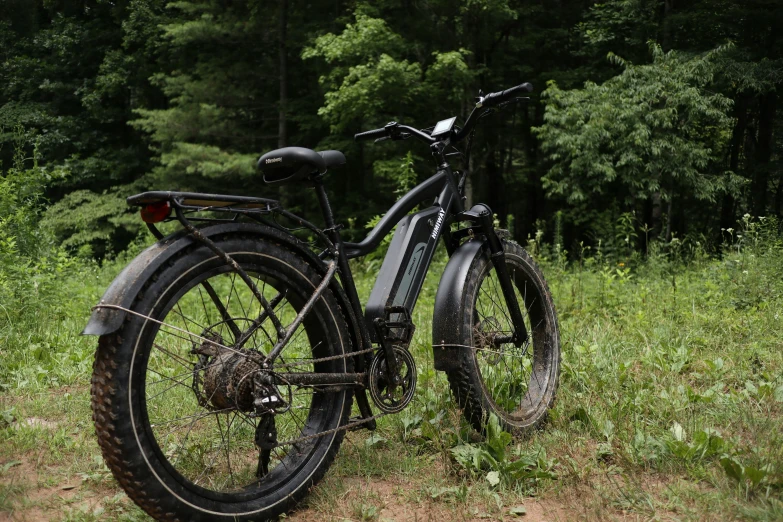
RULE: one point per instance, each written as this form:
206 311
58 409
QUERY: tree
651 129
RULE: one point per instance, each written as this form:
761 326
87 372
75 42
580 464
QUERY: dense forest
661 114
644 176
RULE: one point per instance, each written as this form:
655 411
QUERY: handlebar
370 135
394 130
496 98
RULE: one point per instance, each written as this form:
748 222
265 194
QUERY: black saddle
291 164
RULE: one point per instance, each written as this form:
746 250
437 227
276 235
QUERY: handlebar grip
370 135
495 98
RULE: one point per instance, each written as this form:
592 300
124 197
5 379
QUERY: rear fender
447 315
130 282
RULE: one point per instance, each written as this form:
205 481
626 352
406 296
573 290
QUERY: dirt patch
39 500
396 500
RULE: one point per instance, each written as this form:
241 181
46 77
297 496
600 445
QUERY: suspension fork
482 216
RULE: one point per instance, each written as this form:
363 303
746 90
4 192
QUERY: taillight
155 212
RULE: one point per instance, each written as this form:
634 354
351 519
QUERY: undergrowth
669 405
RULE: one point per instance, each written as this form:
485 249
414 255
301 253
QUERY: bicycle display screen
443 126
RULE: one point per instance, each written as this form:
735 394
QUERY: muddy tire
170 446
515 384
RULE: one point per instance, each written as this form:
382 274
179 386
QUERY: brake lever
382 139
513 100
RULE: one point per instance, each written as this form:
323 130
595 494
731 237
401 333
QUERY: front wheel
517 384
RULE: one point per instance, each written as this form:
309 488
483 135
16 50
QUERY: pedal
400 330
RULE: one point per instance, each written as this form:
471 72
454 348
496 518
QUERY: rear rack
186 207
196 202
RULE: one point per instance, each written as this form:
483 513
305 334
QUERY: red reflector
155 212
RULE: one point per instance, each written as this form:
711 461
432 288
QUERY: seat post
342 259
323 200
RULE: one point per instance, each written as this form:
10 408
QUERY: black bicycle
230 352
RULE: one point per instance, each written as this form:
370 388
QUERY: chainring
392 399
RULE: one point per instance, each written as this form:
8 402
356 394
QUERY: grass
670 404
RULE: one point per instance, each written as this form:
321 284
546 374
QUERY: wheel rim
514 379
207 448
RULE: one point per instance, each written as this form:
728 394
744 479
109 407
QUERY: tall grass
671 392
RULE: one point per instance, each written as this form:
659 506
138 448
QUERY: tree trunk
656 213
668 5
282 31
727 219
763 153
495 182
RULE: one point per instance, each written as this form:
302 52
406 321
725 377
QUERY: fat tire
112 413
465 380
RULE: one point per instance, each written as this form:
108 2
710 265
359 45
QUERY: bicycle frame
386 319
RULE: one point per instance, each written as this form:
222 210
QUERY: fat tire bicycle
231 351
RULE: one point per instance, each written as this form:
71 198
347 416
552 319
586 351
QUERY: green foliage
500 461
90 224
652 129
370 76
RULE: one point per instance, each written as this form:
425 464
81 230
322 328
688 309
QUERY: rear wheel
517 384
173 402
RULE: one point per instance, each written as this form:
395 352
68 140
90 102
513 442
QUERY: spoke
223 310
258 321
167 378
176 383
228 447
187 319
197 416
239 302
184 362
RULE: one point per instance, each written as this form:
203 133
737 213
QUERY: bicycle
230 353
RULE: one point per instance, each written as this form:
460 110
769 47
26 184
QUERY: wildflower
621 264
729 230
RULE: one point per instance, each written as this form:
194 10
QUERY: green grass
670 404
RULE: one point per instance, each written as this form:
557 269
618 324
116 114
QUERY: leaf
580 415
732 468
678 432
517 511
411 421
755 475
374 440
493 477
8 465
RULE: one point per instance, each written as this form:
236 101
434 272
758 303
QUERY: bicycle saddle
291 164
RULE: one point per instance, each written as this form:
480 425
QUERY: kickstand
266 441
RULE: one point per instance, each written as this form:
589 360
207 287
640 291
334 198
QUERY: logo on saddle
274 160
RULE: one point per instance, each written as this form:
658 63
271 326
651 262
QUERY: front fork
481 216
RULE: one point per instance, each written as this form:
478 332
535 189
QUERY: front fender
127 285
447 315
